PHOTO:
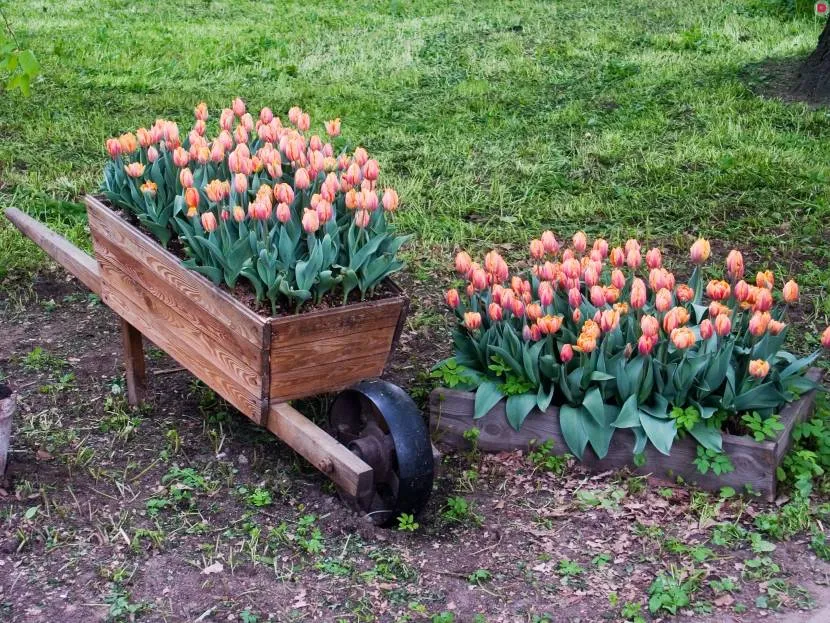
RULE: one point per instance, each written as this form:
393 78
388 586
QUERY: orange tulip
758 323
303 122
759 368
825 338
742 291
209 221
717 290
775 327
113 147
549 242
149 187
333 127
700 251
633 259
611 294
617 257
533 311
654 259
706 329
128 143
716 309
735 264
591 328
134 169
662 302
763 300
311 222
452 298
765 279
550 324
186 178
301 179
495 312
463 263
390 200
649 325
580 242
646 344
238 214
479 279
609 320
537 249
545 293
790 292
684 293
682 337
639 295
472 320
723 325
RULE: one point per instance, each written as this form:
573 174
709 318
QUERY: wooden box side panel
328 350
219 340
755 463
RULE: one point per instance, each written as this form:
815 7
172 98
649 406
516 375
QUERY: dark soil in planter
244 292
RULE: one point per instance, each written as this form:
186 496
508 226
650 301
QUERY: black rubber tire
400 417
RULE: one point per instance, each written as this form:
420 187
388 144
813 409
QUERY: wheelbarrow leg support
136 375
348 472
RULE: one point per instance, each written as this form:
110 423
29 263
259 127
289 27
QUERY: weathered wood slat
451 414
135 374
321 450
127 259
291 384
194 288
80 264
317 353
183 341
334 323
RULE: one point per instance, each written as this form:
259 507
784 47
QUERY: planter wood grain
254 362
451 414
8 405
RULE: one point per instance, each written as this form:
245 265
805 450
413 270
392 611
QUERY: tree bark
814 75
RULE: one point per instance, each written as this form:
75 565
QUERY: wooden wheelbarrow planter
258 364
451 414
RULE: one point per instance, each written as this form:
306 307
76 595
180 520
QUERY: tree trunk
814 75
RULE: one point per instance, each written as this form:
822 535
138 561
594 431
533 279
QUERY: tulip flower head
707 329
209 221
735 264
700 251
452 298
682 338
549 242
311 222
759 368
825 338
472 320
580 242
790 292
134 169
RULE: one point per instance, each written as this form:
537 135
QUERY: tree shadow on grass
779 78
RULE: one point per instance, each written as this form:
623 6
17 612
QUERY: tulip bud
617 279
311 222
825 338
545 292
495 312
700 251
617 257
662 301
775 327
238 214
113 147
191 197
303 122
128 143
238 107
479 279
371 170
463 263
723 325
639 295
633 258
537 249
717 290
654 259
609 320
706 329
576 315
580 242
597 296
472 320
742 291
452 298
590 275
735 264
134 169
759 368
333 127
549 242
301 179
790 292
601 247
240 183
186 178
758 323
390 200
566 353
682 337
646 344
517 307
209 222
571 267
765 279
533 311
763 300
574 297
149 188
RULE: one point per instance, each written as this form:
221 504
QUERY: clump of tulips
611 336
267 202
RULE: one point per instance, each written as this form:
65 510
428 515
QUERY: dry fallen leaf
214 568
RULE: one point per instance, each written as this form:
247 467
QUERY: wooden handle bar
80 264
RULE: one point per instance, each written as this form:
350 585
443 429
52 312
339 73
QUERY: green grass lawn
494 119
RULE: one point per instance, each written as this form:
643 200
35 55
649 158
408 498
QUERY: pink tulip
463 263
452 298
617 257
654 259
113 147
723 325
649 325
574 297
597 296
633 258
478 279
495 312
371 170
390 200
825 338
682 337
566 353
301 179
759 368
763 300
134 169
617 279
545 293
663 300
152 154
472 321
790 292
549 242
639 295
333 127
706 329
580 242
601 246
283 213
238 107
646 344
209 222
362 218
700 251
537 249
735 264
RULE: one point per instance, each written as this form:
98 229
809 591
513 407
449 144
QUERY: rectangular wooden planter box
451 414
251 360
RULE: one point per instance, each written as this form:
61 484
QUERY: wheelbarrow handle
73 259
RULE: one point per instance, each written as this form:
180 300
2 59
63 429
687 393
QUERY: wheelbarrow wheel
381 424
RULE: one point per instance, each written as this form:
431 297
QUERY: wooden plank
796 413
287 385
125 259
133 345
317 353
333 323
80 264
451 414
197 290
183 341
321 450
